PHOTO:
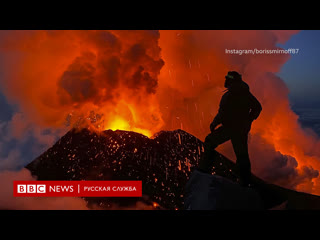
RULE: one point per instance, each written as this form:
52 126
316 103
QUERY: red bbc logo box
77 188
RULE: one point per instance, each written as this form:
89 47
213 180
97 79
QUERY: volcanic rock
163 163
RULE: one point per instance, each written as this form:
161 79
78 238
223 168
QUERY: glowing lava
121 124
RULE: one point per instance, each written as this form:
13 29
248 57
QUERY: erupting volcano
124 91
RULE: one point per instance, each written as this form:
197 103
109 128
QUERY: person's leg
240 146
213 140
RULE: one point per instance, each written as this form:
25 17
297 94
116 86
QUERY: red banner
77 188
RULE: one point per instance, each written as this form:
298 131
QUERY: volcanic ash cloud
55 74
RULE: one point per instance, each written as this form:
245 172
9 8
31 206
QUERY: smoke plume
102 75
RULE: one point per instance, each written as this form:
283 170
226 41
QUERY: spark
188 164
208 77
166 173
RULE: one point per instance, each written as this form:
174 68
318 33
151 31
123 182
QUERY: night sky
302 72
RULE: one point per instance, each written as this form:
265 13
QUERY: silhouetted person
238 108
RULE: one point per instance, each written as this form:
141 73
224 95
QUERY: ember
161 163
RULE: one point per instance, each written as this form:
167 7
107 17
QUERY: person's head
231 78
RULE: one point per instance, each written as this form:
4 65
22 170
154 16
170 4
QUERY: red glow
147 81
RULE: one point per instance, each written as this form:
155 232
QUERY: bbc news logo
77 188
34 188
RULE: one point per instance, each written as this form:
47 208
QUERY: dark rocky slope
164 165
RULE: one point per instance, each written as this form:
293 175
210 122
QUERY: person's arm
218 118
216 121
255 106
